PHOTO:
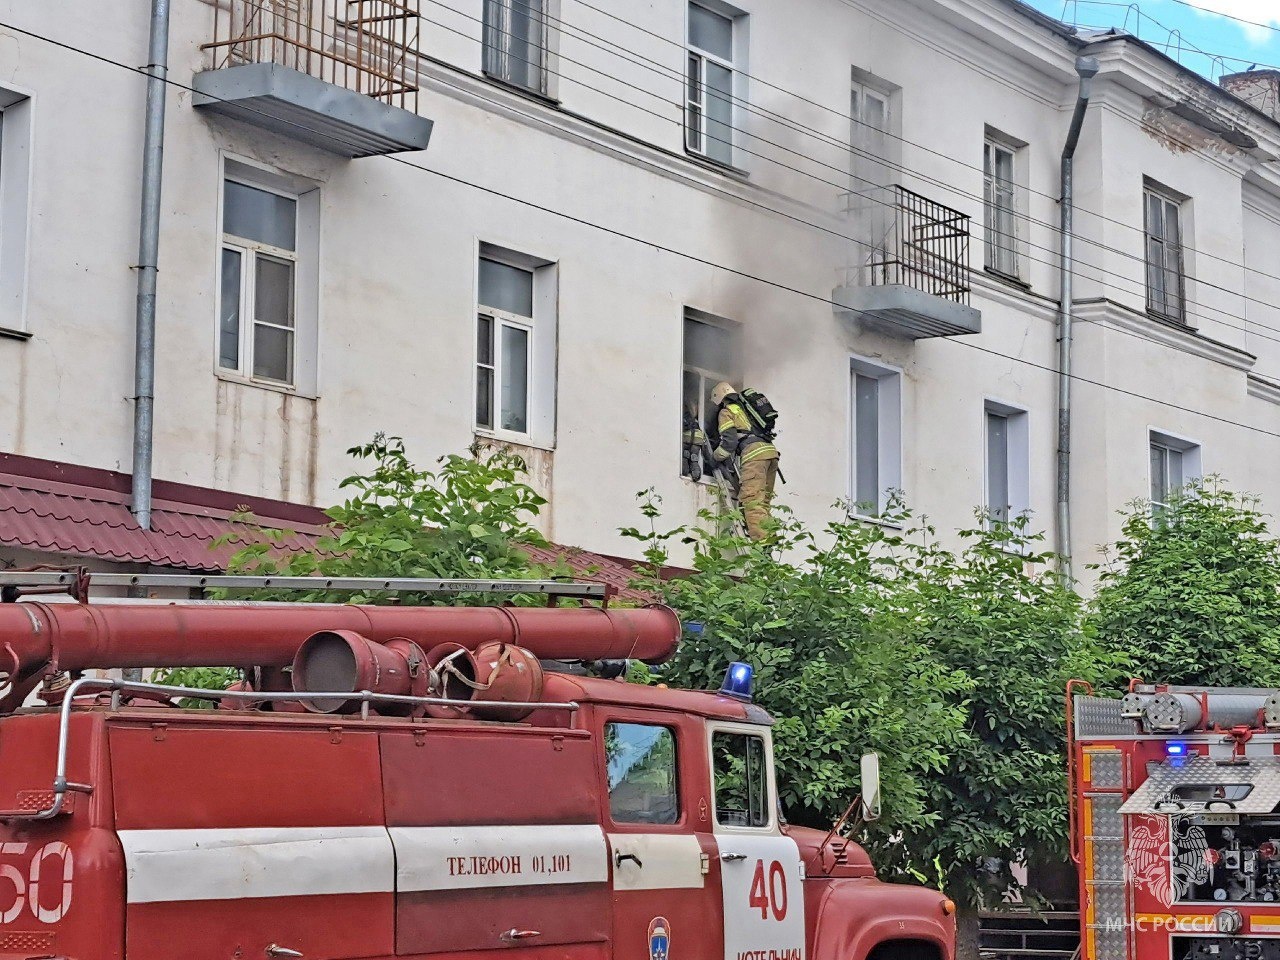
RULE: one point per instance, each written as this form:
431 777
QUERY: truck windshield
641 761
740 765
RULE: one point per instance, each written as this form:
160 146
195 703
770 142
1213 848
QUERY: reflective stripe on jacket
738 437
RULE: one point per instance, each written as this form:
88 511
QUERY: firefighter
742 440
692 441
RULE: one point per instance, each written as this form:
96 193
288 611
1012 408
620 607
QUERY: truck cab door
760 868
665 878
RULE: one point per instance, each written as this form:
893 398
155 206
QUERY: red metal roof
57 508
84 512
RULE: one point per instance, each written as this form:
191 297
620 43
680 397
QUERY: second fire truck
1175 823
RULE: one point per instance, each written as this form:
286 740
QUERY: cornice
473 90
1263 389
992 290
1108 313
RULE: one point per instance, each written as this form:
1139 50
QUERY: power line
798 127
657 246
1227 16
1136 285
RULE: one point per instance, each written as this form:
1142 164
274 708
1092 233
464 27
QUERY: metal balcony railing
367 46
918 243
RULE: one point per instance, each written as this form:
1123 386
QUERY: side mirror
870 786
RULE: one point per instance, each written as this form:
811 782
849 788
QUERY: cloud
1263 15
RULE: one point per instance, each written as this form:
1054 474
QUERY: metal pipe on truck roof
144 370
1184 712
74 636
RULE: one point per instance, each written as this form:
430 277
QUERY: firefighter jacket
738 437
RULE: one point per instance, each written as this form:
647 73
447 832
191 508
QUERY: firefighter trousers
755 493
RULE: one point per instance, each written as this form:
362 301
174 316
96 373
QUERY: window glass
259 215
272 353
998 467
507 288
273 293
484 371
641 763
710 32
740 767
866 427
719 112
515 379
515 42
707 346
229 311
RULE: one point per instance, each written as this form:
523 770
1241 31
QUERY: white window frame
500 66
1171 256
17 166
540 384
771 800
698 102
1192 461
888 438
1013 246
305 258
1017 465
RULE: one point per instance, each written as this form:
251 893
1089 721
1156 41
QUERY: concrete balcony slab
305 108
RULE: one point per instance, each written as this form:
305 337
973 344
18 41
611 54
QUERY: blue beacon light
737 681
1175 749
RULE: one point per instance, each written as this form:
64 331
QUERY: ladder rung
58 578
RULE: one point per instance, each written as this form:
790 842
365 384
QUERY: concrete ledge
299 106
904 311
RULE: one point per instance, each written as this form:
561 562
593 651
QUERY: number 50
769 895
27 889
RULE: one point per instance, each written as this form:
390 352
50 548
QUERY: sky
1160 21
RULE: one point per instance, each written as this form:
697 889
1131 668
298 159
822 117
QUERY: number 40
769 895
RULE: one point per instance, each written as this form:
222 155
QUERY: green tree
467 519
836 685
950 664
995 611
1192 594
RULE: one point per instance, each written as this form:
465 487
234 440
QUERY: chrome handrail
61 786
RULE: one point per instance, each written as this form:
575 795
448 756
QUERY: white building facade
849 204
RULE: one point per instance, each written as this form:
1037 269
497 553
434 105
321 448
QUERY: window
1175 462
516 43
1165 280
257 316
515 346
875 399
873 135
710 355
709 114
740 766
1007 463
1000 163
875 161
503 336
15 205
641 764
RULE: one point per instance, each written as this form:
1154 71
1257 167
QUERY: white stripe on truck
163 866
459 858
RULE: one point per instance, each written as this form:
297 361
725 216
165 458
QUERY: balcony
912 278
337 74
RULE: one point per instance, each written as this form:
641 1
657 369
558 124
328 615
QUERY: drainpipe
1087 69
144 372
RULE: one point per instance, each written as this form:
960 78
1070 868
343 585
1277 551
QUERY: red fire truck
1174 822
396 781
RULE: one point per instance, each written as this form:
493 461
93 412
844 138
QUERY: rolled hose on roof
84 636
